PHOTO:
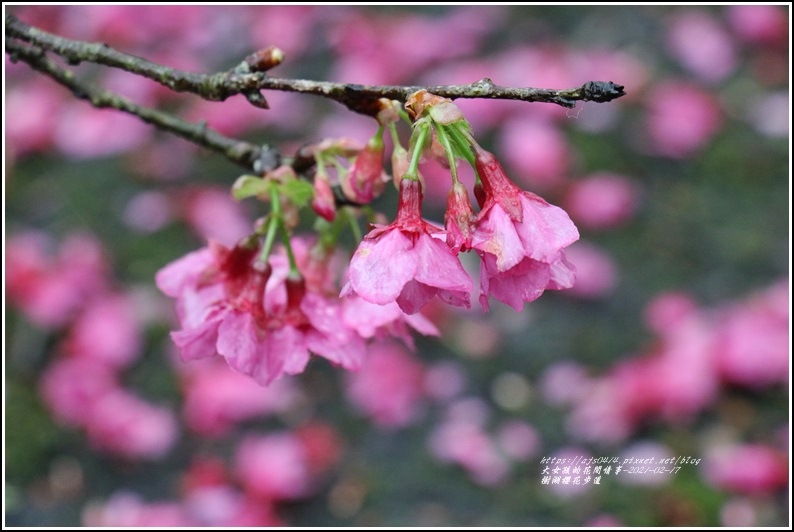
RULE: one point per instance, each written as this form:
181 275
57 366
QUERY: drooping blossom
366 179
520 239
263 322
404 262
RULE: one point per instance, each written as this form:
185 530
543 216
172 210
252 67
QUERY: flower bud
459 218
365 180
323 202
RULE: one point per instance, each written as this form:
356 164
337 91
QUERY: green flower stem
416 152
395 138
272 225
444 140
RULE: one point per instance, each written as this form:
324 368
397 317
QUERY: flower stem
444 140
416 152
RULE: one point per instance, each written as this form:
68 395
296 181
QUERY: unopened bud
323 202
459 218
365 180
265 59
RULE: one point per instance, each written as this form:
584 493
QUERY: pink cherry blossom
264 324
403 262
520 239
384 321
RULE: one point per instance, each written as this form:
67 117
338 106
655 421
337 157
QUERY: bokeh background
674 343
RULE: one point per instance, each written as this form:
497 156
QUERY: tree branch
359 98
250 156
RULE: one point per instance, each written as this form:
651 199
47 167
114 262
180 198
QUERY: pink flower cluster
744 344
266 471
518 236
264 322
82 386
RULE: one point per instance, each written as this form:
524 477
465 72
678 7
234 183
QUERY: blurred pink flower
746 468
538 149
468 445
123 424
601 412
564 383
403 262
107 332
596 271
225 506
668 310
738 513
32 110
274 467
602 201
388 387
753 341
50 290
148 212
70 387
662 388
702 45
321 444
86 132
214 215
519 238
126 509
215 397
444 381
518 440
681 119
758 23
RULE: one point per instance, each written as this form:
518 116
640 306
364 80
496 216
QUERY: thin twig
358 98
250 156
